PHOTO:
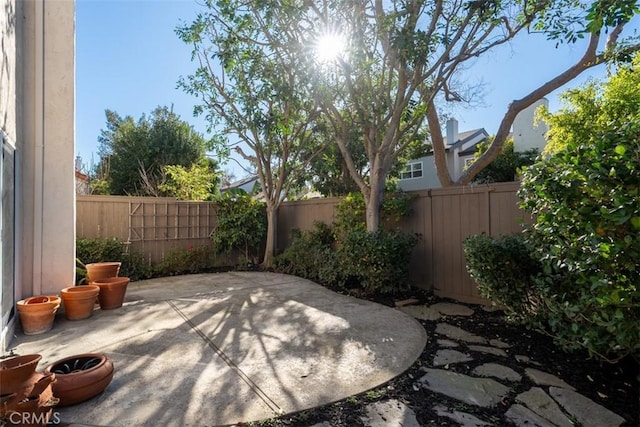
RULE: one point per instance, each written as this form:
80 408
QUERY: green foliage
347 255
506 166
197 182
89 251
134 153
378 261
241 225
99 187
504 269
190 260
350 212
586 201
311 255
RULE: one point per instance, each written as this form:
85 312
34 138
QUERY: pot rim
110 281
103 359
30 358
104 264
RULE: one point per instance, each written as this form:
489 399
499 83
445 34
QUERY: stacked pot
112 288
28 397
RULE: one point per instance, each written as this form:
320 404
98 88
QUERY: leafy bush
378 261
504 269
189 260
89 251
586 201
311 255
241 225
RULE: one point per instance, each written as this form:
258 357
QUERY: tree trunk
373 201
272 230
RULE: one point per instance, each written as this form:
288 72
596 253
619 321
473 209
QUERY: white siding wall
526 135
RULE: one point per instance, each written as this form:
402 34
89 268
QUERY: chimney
78 163
452 131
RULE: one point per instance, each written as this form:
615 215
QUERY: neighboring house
83 187
460 149
250 185
82 184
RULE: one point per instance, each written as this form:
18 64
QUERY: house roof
464 137
239 183
82 176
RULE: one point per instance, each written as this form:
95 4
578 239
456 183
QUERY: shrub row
372 262
178 261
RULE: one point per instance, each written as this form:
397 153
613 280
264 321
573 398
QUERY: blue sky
129 59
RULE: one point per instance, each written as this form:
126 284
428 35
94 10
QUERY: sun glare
330 47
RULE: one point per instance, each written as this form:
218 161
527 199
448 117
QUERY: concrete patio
219 349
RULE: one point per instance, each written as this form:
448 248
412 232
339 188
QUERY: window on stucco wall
412 170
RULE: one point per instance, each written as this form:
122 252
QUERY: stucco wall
37 113
46 161
527 133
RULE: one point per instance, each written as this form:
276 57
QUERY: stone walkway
550 402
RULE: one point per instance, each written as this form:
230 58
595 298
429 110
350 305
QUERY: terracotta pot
112 290
32 406
37 313
79 301
15 372
80 377
102 270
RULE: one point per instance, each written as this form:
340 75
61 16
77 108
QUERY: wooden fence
442 217
148 224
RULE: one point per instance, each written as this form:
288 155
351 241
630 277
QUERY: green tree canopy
255 93
506 166
134 153
198 182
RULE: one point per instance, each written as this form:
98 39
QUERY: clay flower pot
15 372
33 405
37 313
102 270
79 301
112 290
80 377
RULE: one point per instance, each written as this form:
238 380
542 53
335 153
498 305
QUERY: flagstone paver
525 417
464 419
421 312
500 344
542 404
447 357
586 411
496 370
456 333
389 413
488 350
474 391
449 309
447 343
545 378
